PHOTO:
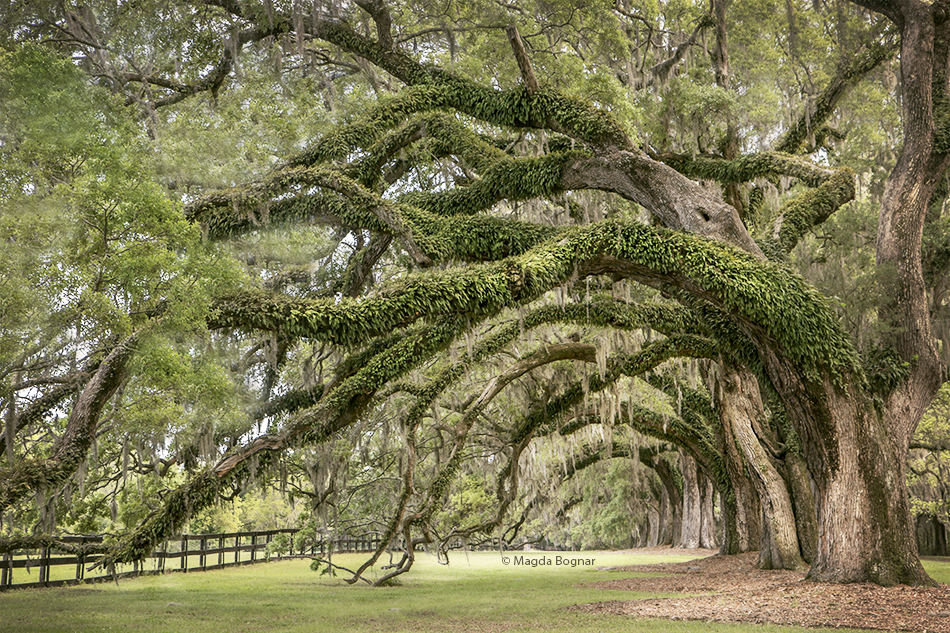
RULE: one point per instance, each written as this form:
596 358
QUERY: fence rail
189 552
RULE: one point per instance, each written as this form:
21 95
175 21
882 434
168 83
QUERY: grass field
477 592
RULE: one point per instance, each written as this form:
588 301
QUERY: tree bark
707 512
692 509
865 531
740 406
671 519
803 503
699 525
652 527
741 514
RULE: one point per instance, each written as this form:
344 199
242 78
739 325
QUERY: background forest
189 189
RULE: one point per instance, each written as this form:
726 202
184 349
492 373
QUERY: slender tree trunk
652 538
692 507
740 405
699 524
803 503
671 520
707 512
741 514
665 528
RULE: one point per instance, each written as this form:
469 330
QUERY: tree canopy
444 269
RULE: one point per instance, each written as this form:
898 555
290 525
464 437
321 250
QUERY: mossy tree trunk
803 501
741 513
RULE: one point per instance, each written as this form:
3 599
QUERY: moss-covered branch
769 303
810 209
69 451
340 408
747 167
600 312
445 136
233 209
511 179
52 399
513 108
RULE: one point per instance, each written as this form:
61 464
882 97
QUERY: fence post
80 559
203 556
220 551
6 573
184 553
237 549
44 565
254 547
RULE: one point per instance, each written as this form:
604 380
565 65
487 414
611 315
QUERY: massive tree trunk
865 530
856 454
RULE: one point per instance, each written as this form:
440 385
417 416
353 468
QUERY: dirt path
735 591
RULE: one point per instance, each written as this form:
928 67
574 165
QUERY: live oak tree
493 194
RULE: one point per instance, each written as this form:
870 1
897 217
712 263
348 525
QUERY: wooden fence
190 552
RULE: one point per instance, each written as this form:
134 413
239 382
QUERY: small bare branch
524 63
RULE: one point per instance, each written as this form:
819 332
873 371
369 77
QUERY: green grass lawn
477 592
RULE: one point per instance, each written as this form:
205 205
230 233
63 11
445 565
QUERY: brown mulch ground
735 591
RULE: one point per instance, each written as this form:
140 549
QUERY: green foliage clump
885 370
470 501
